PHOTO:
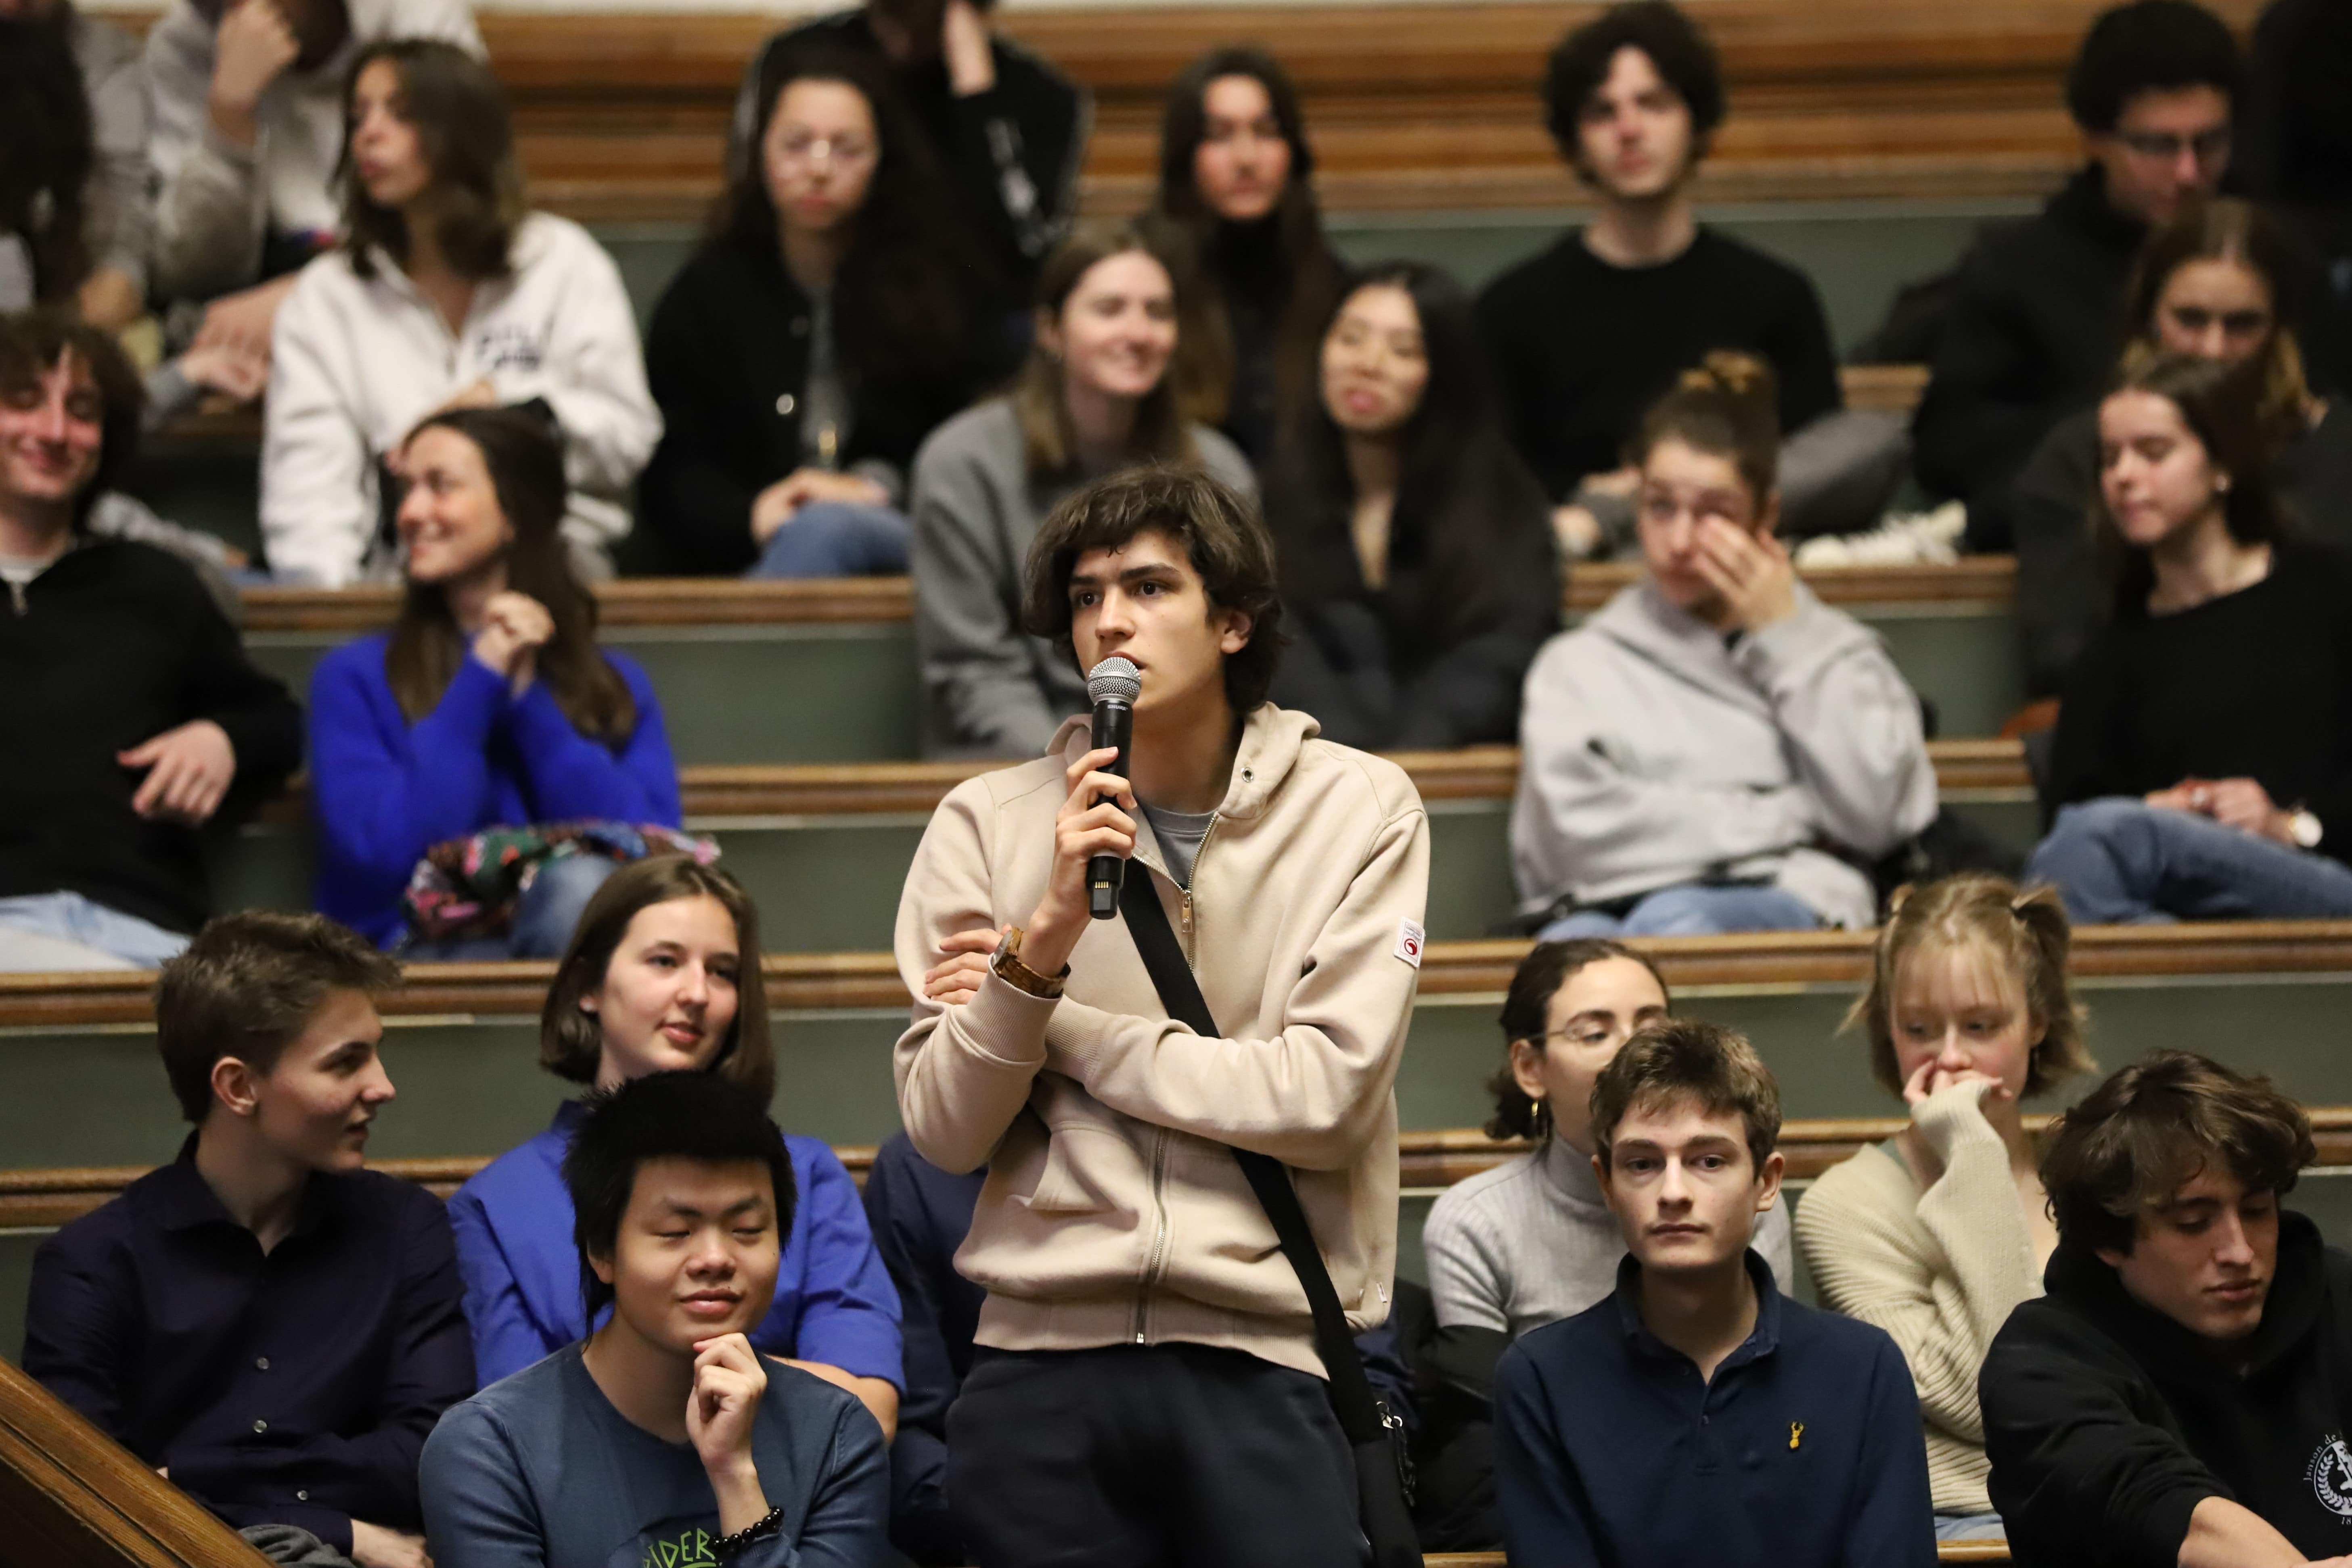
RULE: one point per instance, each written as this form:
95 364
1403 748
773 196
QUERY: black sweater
2108 1423
1011 154
1581 348
114 644
2256 684
727 357
2032 334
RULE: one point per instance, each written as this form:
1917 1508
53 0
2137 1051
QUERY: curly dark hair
45 125
1677 49
2151 45
33 342
906 286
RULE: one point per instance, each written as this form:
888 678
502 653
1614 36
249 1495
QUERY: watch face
2305 829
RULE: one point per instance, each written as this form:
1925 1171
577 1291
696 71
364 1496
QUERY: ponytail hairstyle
1726 406
1527 1014
2223 407
526 469
2025 934
2231 229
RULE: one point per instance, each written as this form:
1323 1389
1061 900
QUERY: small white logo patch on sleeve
1410 938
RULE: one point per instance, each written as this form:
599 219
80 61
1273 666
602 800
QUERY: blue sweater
1803 1451
386 790
834 1300
540 1471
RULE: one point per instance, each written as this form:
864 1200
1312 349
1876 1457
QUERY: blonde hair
2028 936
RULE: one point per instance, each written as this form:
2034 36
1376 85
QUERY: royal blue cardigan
386 790
835 1302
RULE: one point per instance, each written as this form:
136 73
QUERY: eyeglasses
2210 146
843 150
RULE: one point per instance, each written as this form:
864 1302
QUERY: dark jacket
2062 599
727 357
111 646
1011 154
2108 1423
2034 328
1434 658
920 1214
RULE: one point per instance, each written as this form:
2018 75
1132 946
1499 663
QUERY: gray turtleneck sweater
1530 1242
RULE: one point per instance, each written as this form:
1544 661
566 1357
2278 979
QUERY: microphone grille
1114 680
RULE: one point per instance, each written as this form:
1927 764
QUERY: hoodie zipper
1158 1259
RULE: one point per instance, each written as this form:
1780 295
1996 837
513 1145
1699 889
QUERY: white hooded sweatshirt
355 362
1656 751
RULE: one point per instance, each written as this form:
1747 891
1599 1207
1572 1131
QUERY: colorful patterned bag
469 887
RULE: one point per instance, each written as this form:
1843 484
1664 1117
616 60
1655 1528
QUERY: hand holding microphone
1093 830
1112 687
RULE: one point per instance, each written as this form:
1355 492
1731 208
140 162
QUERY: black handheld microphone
1112 687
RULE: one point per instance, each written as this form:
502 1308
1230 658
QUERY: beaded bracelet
727 1546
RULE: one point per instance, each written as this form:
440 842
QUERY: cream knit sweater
1939 1270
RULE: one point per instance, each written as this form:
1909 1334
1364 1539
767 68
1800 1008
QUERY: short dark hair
466 137
1677 49
2134 1140
33 342
1220 532
681 1115
247 987
2150 46
1527 1009
571 1042
1687 1058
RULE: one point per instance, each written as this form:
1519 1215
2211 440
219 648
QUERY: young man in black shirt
2177 1396
269 1325
2035 320
132 716
1586 336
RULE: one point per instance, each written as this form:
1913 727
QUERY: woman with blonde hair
1936 1233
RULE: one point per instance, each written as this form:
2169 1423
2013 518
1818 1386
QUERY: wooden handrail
72 1496
803 982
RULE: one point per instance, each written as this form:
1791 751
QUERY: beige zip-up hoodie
1113 1210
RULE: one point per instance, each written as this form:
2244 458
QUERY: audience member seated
920 1216
2175 1397
245 137
1008 131
1714 750
804 353
2202 768
2218 280
2031 332
73 200
1697 1415
1935 1234
664 972
1236 213
1532 1240
268 1324
1586 336
444 292
487 704
132 713
1094 397
665 1437
1418 572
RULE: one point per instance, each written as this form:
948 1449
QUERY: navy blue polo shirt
292 1388
1804 1451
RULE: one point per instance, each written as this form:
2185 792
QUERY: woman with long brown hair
488 704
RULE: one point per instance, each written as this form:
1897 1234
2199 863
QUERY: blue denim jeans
2120 861
543 922
1694 909
42 932
837 539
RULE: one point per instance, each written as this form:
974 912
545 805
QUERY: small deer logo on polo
1796 1434
2330 1474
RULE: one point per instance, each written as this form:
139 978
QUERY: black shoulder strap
1179 993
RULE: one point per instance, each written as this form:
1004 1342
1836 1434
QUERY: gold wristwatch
1020 976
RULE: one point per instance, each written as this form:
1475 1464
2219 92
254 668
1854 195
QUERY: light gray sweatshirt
1654 751
993 689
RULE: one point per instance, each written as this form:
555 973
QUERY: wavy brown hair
2231 229
525 469
467 138
1050 443
1689 1059
35 342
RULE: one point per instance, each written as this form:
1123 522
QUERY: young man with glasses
2035 316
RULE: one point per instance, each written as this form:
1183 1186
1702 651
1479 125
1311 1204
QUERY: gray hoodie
1656 751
